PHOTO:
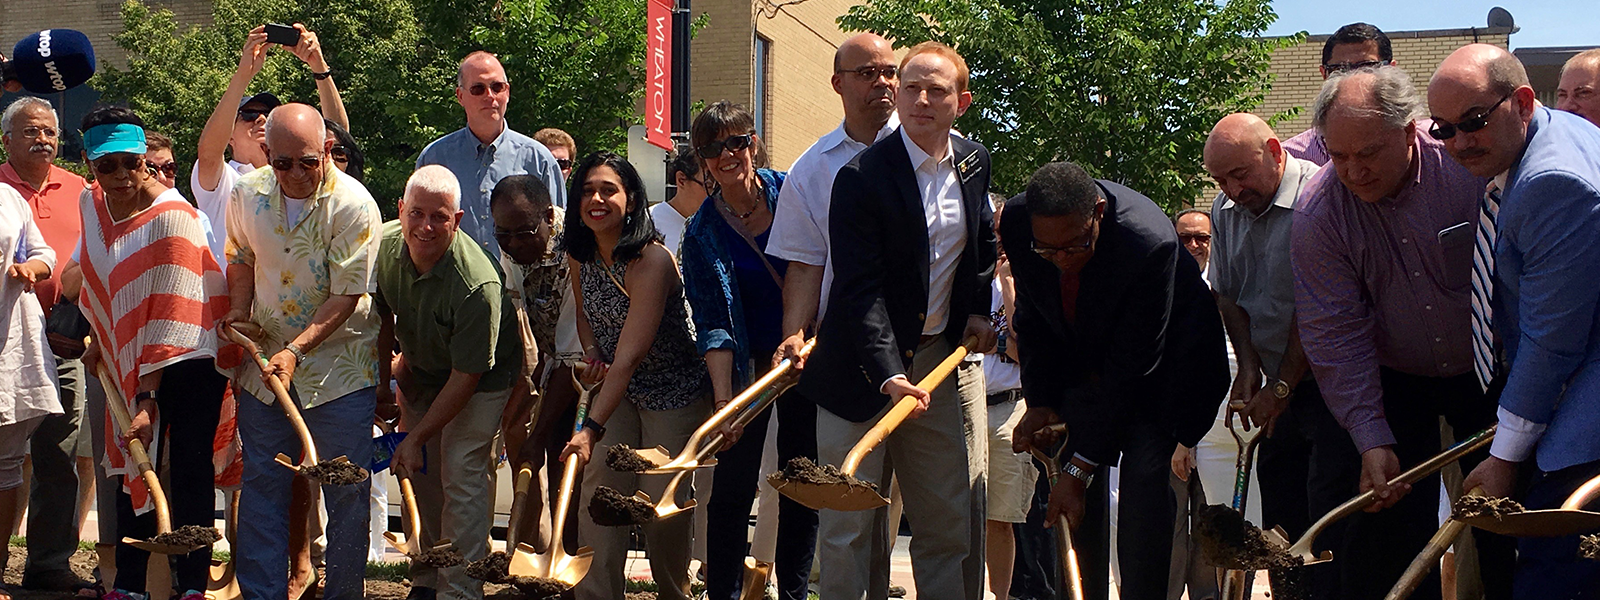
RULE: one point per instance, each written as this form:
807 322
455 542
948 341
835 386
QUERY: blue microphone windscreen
53 60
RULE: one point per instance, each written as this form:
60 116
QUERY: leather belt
1005 396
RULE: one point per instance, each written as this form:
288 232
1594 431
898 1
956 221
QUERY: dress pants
1378 546
929 459
970 387
1308 467
1146 509
1550 567
455 500
667 541
1033 574
1189 570
340 427
52 514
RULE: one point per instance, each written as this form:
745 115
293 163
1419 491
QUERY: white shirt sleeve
796 235
1516 437
214 203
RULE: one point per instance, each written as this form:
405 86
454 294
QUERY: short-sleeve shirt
331 250
478 167
670 223
800 224
214 203
455 317
55 212
546 294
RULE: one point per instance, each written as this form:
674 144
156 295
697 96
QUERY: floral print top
331 249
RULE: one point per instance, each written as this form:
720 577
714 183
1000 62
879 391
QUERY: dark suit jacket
1147 343
879 248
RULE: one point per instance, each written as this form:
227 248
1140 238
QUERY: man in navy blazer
1540 238
911 229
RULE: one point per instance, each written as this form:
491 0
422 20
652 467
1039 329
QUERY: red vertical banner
658 74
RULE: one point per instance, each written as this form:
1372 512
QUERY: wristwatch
1281 389
599 430
1084 475
145 395
299 355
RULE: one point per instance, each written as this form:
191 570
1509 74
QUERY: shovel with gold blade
554 571
1570 519
442 554
339 471
221 584
1070 575
1429 557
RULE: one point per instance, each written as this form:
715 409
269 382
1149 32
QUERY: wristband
323 75
599 430
147 395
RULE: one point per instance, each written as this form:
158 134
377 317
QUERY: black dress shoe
422 593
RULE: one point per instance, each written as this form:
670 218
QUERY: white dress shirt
800 225
947 232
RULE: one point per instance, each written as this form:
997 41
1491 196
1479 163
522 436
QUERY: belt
1005 396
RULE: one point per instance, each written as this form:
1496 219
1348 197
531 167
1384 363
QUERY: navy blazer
880 274
1546 295
1147 344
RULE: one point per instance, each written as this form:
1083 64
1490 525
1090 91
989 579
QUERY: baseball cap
265 98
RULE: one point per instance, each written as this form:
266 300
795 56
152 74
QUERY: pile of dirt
623 458
1470 506
492 568
335 472
801 470
612 509
1589 547
439 558
1230 542
538 588
188 536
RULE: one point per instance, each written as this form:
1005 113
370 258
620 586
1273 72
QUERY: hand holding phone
283 35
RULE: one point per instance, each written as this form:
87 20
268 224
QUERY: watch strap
323 75
599 430
1080 473
299 354
145 395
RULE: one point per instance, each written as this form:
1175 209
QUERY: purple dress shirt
1377 285
1307 146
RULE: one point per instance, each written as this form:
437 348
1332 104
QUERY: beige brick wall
721 56
98 19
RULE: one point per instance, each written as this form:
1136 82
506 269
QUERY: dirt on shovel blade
493 568
1468 507
610 508
623 458
335 472
538 587
1230 542
188 536
1589 547
439 558
801 470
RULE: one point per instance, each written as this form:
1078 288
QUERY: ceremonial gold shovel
412 545
1570 519
1233 582
1429 557
119 413
1069 556
236 332
222 585
847 495
555 563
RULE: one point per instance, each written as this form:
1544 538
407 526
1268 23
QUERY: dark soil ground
1589 547
612 509
335 472
188 536
439 558
801 470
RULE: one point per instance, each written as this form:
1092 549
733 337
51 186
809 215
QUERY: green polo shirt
448 318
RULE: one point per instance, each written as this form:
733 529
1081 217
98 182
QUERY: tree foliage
573 64
1128 89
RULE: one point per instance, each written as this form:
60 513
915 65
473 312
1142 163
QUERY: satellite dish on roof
1500 17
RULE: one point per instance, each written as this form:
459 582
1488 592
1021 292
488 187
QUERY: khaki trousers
454 497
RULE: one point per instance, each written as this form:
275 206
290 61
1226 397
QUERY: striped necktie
1483 337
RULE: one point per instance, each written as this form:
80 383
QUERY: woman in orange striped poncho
153 292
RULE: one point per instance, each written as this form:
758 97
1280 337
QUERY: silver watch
1084 475
299 355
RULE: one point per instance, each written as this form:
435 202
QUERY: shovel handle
1425 560
1069 559
289 407
1582 495
408 497
745 398
119 413
519 503
903 408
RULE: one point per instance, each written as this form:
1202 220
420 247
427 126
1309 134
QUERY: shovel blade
398 544
527 563
283 459
155 548
833 496
221 585
656 455
571 569
1539 523
685 466
667 509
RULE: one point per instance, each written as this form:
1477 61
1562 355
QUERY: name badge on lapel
968 166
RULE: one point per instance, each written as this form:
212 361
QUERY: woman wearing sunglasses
736 292
152 292
639 344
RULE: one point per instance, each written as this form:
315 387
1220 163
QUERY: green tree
1127 89
574 64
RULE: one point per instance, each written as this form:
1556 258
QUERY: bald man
1307 464
1539 332
1579 90
487 149
302 239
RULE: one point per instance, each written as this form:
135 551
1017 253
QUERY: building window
759 95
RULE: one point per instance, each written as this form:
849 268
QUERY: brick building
98 19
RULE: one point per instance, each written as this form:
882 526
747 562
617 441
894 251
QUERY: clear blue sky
1543 22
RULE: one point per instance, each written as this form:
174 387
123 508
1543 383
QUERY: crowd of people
1417 258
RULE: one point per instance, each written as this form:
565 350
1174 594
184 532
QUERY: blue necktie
1483 337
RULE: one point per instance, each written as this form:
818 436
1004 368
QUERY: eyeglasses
505 237
284 163
251 114
732 143
109 164
340 154
1351 66
1201 238
50 133
1444 130
495 87
170 169
871 73
564 163
1048 252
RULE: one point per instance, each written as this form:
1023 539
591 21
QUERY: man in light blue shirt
1538 241
487 150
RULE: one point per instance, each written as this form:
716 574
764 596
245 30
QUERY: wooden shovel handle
408 498
289 407
903 408
1425 560
119 413
1069 560
1582 495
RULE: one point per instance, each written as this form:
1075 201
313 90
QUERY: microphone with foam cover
51 61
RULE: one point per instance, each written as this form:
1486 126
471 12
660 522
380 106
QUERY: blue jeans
341 427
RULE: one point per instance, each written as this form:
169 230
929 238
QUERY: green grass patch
22 542
388 571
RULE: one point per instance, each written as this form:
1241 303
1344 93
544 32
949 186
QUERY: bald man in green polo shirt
440 295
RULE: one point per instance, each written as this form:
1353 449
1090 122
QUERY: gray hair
1390 97
435 179
22 104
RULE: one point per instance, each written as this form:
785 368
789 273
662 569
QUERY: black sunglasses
478 89
170 168
1351 66
504 237
1204 238
251 114
1444 130
339 153
732 143
109 164
284 163
564 163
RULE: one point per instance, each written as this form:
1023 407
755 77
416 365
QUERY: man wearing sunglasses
32 140
487 149
1354 46
1538 241
1120 340
1381 247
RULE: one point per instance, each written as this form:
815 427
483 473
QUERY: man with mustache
32 138
1307 465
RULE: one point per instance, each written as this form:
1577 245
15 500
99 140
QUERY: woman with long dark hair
640 347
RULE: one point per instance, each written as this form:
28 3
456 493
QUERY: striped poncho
154 293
